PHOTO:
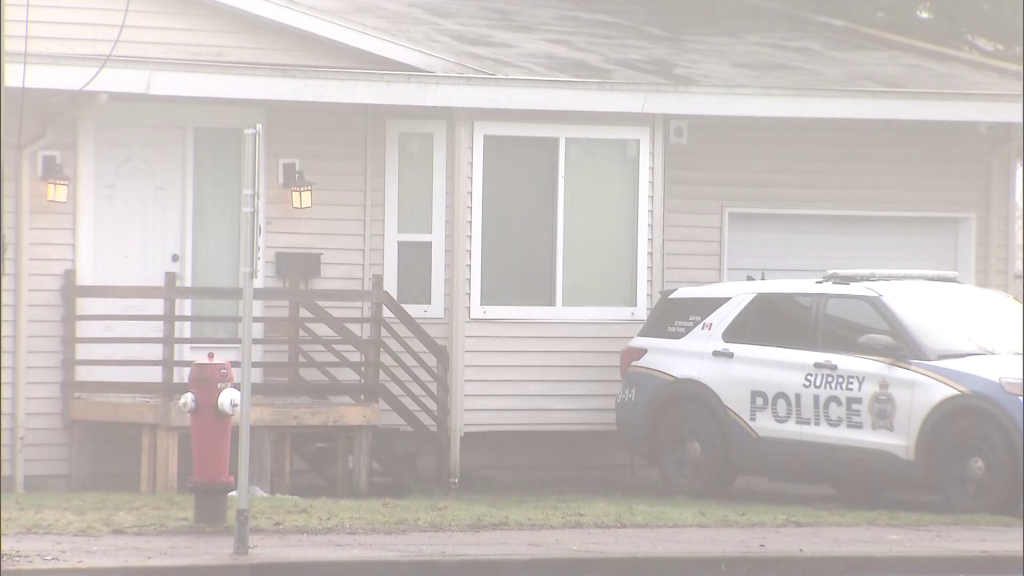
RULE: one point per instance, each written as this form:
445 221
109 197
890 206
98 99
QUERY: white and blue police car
865 380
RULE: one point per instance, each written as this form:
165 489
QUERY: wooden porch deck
331 381
161 424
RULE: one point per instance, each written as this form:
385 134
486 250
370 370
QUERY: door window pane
414 229
780 320
600 222
414 273
415 182
520 189
216 222
846 320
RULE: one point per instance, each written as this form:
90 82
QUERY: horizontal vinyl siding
51 252
7 287
522 375
811 164
556 376
329 142
172 30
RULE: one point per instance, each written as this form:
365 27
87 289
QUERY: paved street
833 546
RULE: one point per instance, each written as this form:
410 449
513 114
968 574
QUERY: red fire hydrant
211 401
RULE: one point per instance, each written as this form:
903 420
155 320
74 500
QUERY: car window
673 318
846 319
781 320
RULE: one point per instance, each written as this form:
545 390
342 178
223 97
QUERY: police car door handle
723 353
826 365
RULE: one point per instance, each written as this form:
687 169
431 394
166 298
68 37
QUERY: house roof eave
205 80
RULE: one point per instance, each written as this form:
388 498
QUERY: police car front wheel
692 452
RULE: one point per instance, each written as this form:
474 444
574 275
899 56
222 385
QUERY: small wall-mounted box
301 265
678 131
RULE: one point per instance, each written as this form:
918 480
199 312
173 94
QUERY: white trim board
439 130
965 232
84 190
255 83
205 115
658 212
637 312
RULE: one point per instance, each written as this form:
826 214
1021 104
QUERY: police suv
866 380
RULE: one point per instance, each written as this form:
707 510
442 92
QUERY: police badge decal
882 407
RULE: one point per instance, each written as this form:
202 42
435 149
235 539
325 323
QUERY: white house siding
170 30
818 164
51 252
7 205
553 376
330 143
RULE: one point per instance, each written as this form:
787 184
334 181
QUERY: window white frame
439 130
638 312
966 230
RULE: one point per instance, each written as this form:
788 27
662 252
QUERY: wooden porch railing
327 354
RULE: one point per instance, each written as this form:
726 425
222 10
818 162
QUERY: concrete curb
735 565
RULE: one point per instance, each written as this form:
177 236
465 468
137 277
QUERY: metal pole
250 203
3 72
21 314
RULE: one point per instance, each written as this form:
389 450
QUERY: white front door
136 238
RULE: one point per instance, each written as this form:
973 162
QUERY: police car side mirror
880 344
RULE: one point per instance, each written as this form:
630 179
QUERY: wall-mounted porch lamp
51 170
291 176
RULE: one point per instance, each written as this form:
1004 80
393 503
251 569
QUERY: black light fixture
302 189
57 183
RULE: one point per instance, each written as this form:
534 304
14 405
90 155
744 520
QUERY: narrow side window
414 215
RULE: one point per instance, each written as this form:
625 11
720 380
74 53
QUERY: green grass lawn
111 513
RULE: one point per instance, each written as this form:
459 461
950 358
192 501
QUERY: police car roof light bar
846 276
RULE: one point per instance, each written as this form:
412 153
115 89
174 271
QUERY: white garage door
806 245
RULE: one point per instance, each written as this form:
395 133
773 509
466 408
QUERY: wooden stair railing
420 377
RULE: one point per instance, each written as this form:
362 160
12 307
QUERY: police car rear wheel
692 452
973 468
